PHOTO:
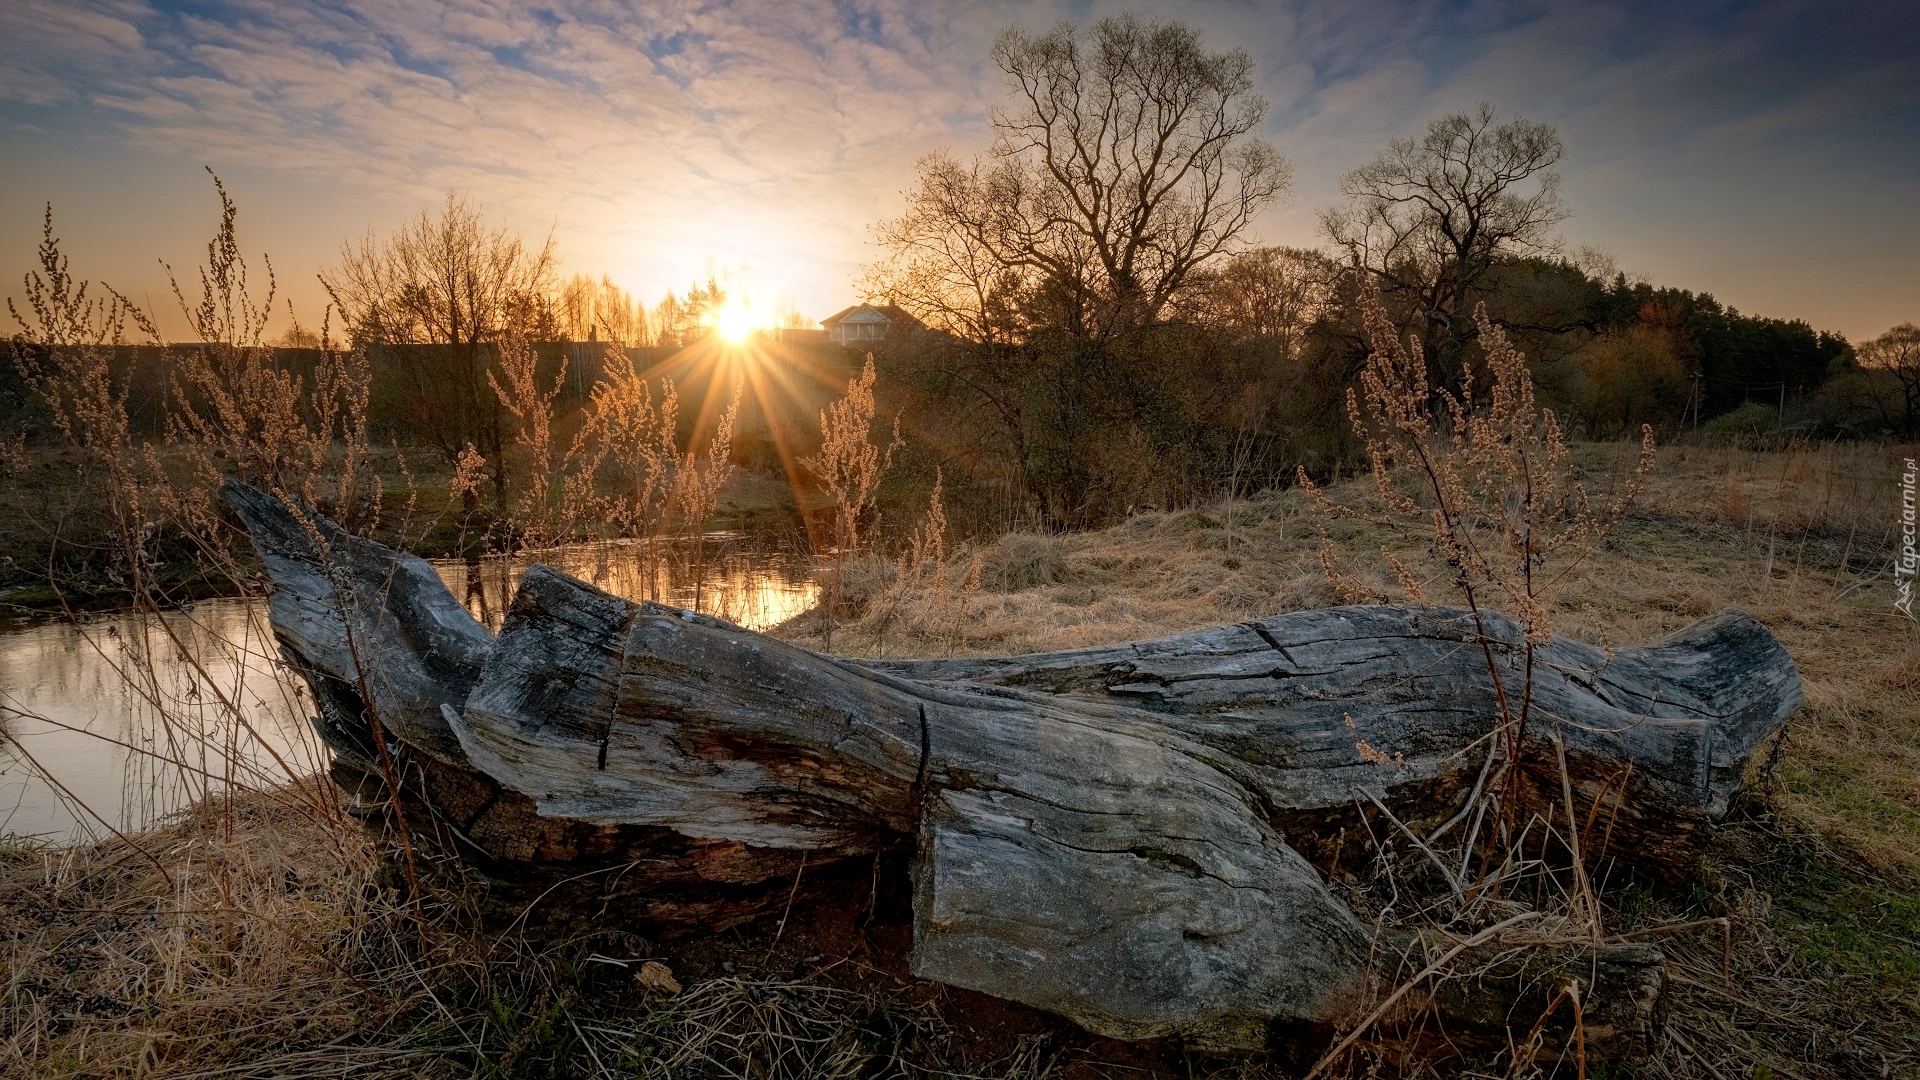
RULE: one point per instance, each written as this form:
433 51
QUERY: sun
733 322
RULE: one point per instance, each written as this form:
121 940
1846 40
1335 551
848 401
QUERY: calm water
739 580
121 719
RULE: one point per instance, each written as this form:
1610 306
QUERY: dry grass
264 938
278 944
1763 532
263 935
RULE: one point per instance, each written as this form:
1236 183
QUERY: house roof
868 313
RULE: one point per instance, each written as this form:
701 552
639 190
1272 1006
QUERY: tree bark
1391 700
1120 835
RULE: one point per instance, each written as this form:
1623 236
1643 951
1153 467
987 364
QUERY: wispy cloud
658 136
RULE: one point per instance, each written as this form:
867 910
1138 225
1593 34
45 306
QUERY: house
866 323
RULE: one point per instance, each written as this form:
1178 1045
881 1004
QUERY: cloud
658 136
693 129
48 50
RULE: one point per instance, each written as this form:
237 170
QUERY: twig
1473 797
601 1069
1585 886
1417 842
1327 1059
791 893
1687 1047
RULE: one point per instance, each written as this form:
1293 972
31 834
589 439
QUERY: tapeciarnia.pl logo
1904 566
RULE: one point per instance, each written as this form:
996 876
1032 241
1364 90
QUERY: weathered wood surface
1392 700
378 623
1113 834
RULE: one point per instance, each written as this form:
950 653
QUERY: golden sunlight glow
734 321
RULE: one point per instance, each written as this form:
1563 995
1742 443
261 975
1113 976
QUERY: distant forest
1251 381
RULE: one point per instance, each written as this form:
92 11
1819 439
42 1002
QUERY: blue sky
1766 152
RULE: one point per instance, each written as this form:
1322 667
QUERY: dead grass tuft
1020 561
1901 674
272 940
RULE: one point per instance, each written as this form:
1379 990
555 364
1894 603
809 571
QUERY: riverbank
56 541
268 938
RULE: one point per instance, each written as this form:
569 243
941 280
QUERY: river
116 720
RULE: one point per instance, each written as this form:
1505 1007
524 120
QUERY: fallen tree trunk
1115 835
1391 701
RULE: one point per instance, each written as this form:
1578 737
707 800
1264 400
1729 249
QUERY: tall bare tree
447 278
575 307
1124 161
441 278
620 318
586 310
1431 217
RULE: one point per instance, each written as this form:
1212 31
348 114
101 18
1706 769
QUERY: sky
1767 153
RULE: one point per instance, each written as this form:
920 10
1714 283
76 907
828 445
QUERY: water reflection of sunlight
755 589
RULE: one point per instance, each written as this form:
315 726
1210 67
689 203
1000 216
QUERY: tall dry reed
696 488
1483 480
849 465
534 512
928 596
627 473
230 413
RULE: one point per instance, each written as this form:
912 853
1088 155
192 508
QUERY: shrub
1748 420
1024 561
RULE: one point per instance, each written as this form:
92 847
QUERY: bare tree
619 318
1430 218
1275 292
1897 353
586 310
575 306
954 257
667 320
447 278
1123 163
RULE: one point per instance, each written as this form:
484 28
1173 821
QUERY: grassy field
267 937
